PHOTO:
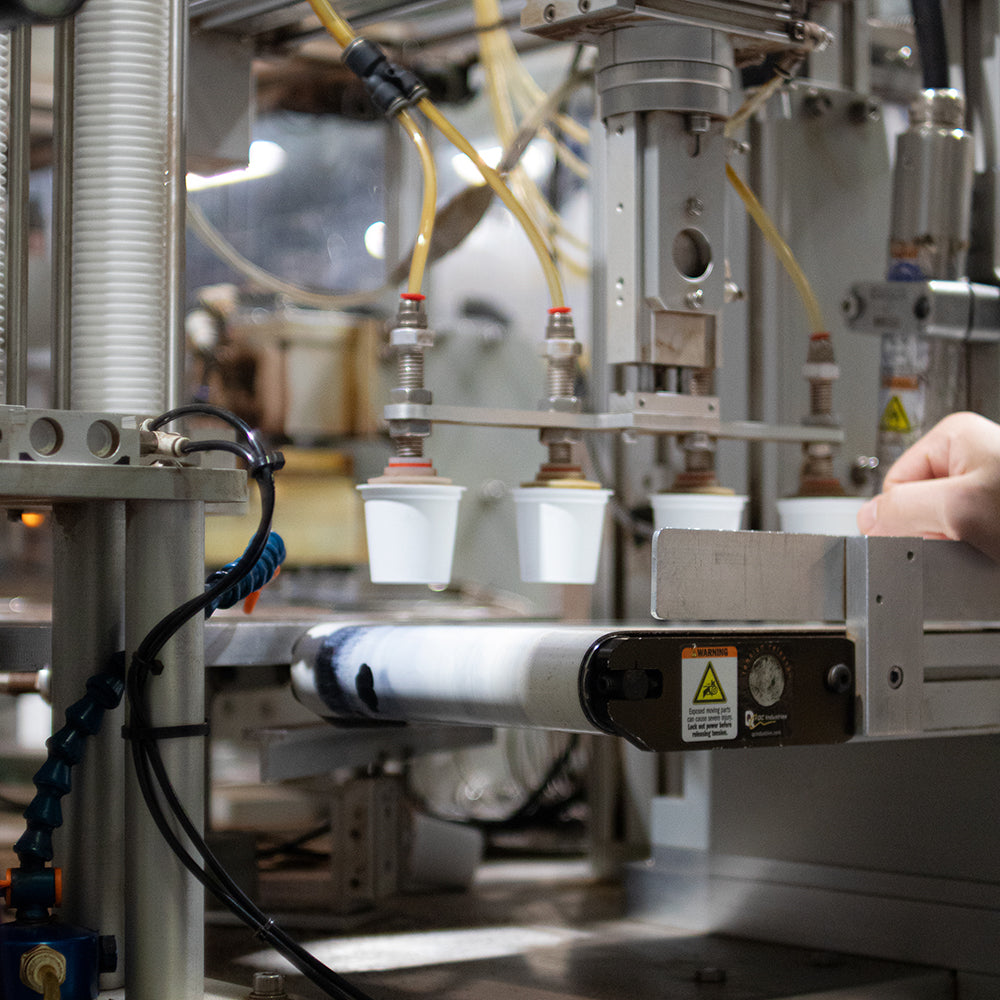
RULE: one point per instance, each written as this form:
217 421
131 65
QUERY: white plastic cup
411 531
708 511
820 515
559 531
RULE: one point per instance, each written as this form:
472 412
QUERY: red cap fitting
412 296
820 335
560 310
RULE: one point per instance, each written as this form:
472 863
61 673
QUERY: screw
797 31
695 299
694 207
852 306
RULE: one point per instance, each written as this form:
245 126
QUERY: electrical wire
154 781
782 250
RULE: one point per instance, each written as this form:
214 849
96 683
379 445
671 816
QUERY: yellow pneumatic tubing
344 34
422 247
782 250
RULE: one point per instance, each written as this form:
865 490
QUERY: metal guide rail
924 615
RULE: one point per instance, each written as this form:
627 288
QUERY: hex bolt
268 986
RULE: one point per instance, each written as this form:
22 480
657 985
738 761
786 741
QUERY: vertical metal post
164 904
88 591
177 201
18 165
62 213
884 598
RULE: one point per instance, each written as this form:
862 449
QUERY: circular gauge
766 680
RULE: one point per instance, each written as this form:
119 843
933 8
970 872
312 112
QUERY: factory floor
547 930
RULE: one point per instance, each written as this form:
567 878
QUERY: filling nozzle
817 477
411 513
560 513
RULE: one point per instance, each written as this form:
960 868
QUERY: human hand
946 485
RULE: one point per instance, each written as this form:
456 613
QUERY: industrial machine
850 684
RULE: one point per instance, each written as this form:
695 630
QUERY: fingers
910 508
955 445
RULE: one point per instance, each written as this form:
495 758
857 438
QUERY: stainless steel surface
88 596
767 25
909 604
36 483
289 754
932 187
665 419
62 214
18 152
884 585
727 576
175 341
164 905
951 310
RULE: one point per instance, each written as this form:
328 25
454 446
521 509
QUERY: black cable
231 446
288 846
208 410
932 46
154 782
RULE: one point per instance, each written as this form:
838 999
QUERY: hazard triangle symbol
709 688
894 417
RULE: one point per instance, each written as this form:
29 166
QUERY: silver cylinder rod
164 905
88 591
522 676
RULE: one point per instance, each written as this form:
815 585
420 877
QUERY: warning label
708 693
894 417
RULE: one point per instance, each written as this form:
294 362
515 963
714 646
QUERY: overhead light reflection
266 158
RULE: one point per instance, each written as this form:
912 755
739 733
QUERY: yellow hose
783 251
422 247
494 180
344 34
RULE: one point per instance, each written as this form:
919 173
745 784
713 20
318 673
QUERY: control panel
674 691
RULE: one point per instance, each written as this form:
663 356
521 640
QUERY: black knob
839 678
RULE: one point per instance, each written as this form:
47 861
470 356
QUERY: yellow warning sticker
709 689
894 417
707 674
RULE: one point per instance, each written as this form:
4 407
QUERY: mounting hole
878 598
895 677
46 436
103 439
910 556
692 254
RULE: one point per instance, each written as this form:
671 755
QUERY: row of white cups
411 527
